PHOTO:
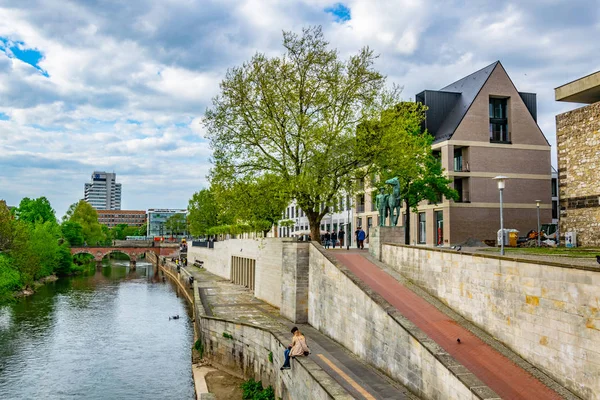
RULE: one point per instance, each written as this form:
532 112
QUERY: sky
122 85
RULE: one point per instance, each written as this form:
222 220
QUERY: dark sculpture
381 202
394 201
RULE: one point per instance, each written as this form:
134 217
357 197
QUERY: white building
341 217
103 193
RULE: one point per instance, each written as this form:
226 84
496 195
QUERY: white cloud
129 81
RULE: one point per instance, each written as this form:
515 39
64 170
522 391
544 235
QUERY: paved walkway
494 369
226 300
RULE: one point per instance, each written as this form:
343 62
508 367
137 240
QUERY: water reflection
105 336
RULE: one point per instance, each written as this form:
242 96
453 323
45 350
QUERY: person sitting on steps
298 348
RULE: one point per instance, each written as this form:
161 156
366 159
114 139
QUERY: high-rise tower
103 193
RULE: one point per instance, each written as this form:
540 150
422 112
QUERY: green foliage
32 245
6 222
73 233
121 231
202 212
271 357
85 215
401 149
227 335
258 201
35 210
253 390
287 223
176 224
294 117
10 279
199 346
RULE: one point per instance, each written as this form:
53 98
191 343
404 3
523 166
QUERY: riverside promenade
504 372
223 299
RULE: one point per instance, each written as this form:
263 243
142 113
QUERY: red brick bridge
133 252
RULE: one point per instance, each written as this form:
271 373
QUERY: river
106 336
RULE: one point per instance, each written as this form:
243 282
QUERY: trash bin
513 236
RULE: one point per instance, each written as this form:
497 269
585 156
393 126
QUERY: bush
10 279
253 390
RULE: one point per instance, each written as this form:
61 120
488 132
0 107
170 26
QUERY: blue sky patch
19 51
340 12
133 122
4 117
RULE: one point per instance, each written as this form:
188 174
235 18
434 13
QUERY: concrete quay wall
248 351
548 314
266 252
345 309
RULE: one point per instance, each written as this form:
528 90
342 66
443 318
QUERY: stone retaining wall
578 148
345 309
548 314
266 252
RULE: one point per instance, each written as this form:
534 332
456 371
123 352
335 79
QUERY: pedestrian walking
341 235
298 348
327 240
334 238
360 238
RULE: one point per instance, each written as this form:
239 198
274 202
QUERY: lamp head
537 203
500 179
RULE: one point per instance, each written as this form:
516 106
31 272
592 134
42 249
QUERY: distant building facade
103 192
341 217
112 218
483 127
157 220
578 141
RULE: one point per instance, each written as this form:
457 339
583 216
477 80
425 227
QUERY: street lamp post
537 203
348 226
501 180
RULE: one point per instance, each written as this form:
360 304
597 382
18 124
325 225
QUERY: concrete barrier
547 313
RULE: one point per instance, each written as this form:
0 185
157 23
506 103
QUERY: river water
106 336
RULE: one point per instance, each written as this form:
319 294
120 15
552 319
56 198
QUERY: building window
499 121
554 187
458 160
422 228
554 209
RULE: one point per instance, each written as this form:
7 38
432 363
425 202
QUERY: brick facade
578 140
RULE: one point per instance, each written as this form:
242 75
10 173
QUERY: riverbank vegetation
34 245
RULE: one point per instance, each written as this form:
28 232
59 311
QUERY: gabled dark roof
469 88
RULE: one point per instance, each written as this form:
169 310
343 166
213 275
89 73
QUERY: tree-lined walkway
494 369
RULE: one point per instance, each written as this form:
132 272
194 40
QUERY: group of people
333 239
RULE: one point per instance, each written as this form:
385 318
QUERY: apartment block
483 127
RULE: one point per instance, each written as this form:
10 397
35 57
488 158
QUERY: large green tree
402 149
203 212
295 117
34 210
258 203
73 233
176 224
5 226
86 216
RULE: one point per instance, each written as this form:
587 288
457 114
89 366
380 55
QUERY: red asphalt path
503 376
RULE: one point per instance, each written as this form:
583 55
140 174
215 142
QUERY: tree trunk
407 224
315 225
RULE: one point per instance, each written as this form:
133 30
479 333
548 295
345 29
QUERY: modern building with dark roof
484 127
578 143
